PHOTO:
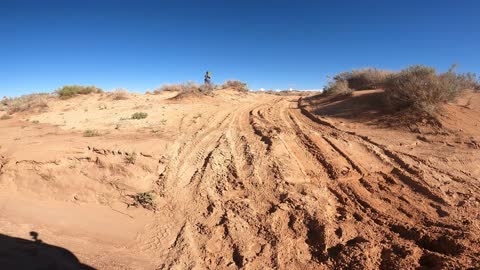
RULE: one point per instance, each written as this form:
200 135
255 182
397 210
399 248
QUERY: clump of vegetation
145 200
338 88
70 91
168 88
36 101
139 115
362 79
288 92
119 94
91 133
182 87
421 89
235 85
5 117
131 158
4 103
188 89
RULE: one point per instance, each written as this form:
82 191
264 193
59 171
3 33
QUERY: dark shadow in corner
22 254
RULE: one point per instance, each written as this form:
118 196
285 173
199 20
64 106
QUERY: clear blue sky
140 45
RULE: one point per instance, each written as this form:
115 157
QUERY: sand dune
244 180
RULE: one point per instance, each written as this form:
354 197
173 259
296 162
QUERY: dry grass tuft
182 87
33 102
119 94
144 199
139 115
131 158
91 133
235 85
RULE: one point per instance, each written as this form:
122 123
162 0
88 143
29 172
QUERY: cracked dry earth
240 181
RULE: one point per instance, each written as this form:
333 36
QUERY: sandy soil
241 180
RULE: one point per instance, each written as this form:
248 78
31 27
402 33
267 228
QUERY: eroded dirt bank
250 181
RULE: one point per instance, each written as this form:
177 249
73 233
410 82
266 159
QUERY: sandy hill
240 180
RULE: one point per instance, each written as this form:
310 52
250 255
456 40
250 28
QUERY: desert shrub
139 115
90 133
361 79
36 101
168 88
207 88
144 199
469 80
5 117
4 103
235 85
338 88
288 92
119 94
131 158
183 87
421 89
69 91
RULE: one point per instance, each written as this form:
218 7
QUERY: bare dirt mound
242 181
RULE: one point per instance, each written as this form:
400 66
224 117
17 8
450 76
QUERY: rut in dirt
269 184
275 186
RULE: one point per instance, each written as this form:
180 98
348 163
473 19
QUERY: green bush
235 85
420 88
139 115
69 91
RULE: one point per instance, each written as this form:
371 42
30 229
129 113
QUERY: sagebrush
69 91
119 94
362 79
235 85
33 102
182 87
338 88
422 89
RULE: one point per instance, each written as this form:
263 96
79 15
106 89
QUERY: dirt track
254 182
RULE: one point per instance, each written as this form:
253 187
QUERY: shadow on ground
364 107
20 254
